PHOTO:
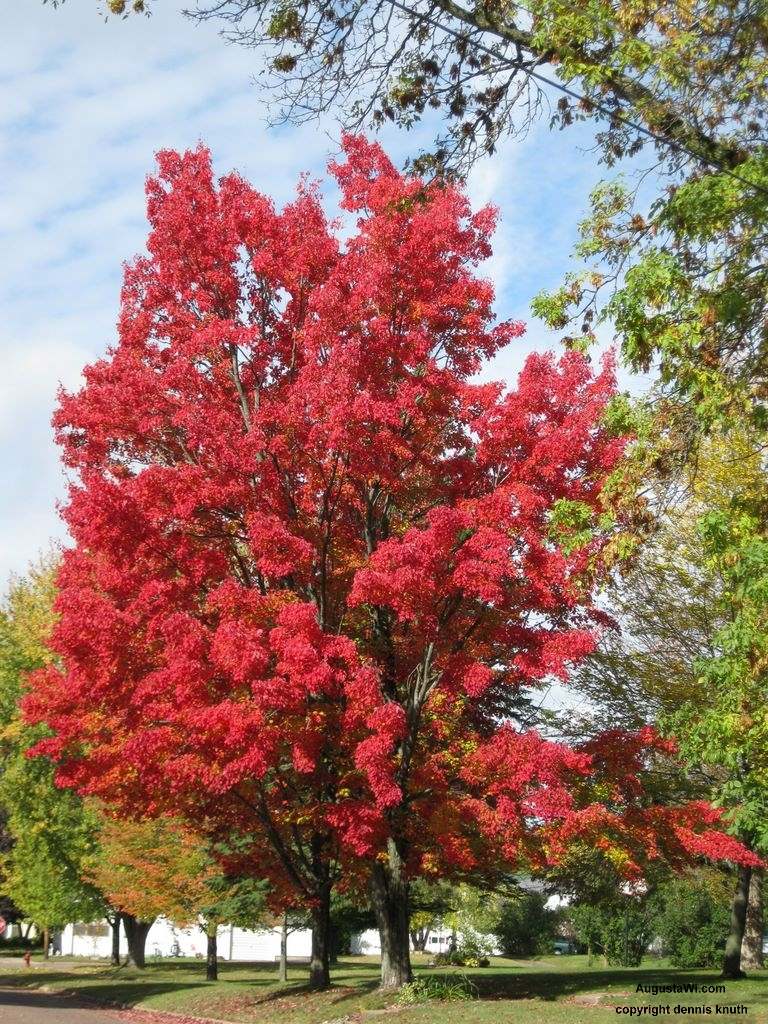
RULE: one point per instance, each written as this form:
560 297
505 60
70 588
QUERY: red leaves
376 755
313 562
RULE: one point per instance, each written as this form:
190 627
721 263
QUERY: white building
166 939
368 943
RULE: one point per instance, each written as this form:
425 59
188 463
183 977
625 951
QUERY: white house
368 942
166 939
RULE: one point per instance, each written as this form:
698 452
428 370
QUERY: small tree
691 917
223 898
525 926
148 869
587 922
621 930
626 932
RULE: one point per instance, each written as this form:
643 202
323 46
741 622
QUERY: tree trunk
27 930
136 933
319 966
389 898
282 974
46 941
732 962
115 957
211 953
752 943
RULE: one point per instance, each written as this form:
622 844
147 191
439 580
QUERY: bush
455 988
626 934
692 918
450 958
473 951
457 958
621 930
525 927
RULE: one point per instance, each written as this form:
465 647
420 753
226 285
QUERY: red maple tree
316 564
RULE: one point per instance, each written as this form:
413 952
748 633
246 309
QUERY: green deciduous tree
691 917
621 928
692 75
50 832
692 650
524 926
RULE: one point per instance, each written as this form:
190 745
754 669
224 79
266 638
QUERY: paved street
20 1007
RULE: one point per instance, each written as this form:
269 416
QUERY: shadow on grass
245 985
105 985
553 985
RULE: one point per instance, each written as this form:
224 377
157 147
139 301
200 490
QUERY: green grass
549 990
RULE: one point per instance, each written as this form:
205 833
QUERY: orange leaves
153 867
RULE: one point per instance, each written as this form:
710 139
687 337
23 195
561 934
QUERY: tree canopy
315 563
51 833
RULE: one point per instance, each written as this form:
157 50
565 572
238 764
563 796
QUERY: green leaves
285 23
571 524
52 833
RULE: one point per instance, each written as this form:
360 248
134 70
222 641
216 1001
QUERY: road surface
18 1006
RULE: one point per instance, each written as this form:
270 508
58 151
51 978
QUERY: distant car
564 946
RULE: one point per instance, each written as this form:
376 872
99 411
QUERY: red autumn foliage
313 566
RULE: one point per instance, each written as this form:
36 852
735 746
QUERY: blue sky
84 104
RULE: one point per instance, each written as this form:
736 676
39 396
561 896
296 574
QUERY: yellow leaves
29 610
430 865
728 465
13 731
120 7
618 858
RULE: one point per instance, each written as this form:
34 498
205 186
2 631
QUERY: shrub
473 951
692 918
621 929
626 933
451 989
449 958
525 927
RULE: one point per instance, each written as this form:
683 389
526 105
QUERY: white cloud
83 106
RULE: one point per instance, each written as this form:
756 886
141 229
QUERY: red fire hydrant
27 958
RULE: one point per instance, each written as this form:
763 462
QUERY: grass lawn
560 990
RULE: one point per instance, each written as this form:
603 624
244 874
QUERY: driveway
18 1006
21 1006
